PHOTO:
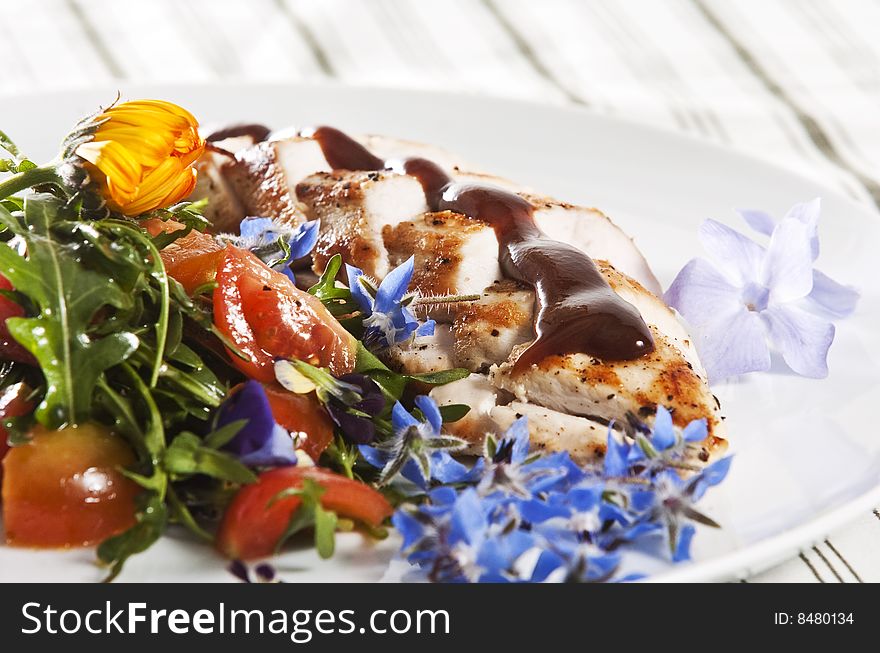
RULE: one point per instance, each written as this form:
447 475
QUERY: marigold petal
148 146
165 185
115 162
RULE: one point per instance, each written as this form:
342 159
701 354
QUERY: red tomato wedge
251 527
260 310
64 488
10 349
267 317
13 403
193 259
303 415
229 316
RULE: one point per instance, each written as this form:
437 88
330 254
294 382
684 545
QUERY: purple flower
388 319
751 297
358 428
260 442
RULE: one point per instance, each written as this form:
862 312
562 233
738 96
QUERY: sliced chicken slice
550 430
585 438
482 397
486 331
454 254
354 208
224 210
592 231
261 179
264 176
423 354
579 384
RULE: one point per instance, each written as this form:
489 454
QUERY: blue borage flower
751 297
260 442
388 319
517 517
417 450
277 243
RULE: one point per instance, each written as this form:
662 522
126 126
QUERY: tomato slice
10 349
193 259
260 310
251 527
64 488
13 403
229 316
267 317
304 416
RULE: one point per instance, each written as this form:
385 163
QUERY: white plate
807 452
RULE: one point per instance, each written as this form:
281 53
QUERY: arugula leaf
310 513
454 412
342 455
337 300
151 522
69 296
181 514
442 377
393 383
188 455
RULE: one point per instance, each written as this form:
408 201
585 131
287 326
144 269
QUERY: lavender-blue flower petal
616 455
807 213
373 456
426 328
803 339
737 256
287 272
832 297
699 292
357 290
468 522
710 476
760 221
446 469
410 528
733 344
787 268
400 417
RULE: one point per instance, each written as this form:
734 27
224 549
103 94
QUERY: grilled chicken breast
378 219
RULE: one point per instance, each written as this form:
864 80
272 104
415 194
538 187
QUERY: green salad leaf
69 297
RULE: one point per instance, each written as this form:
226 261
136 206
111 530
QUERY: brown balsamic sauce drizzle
577 310
256 131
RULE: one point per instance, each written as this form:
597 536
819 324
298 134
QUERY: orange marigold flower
142 155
